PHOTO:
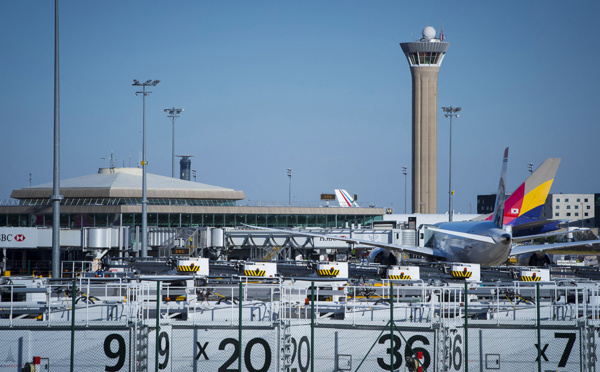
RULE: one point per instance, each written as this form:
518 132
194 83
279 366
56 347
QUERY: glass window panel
321 220
152 219
292 220
282 220
219 220
208 220
128 219
197 220
240 219
186 220
230 220
331 221
270 220
163 220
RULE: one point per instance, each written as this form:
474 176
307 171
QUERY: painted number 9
119 354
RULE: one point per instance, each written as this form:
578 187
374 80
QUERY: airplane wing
422 251
485 239
541 236
522 249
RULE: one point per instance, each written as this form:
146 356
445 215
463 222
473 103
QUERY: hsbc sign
18 237
10 237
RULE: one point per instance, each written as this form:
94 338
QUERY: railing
36 300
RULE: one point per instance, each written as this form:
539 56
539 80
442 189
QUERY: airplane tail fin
344 199
498 215
525 204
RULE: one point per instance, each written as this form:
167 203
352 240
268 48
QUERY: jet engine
534 259
382 256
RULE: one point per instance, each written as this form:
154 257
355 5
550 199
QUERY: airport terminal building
113 197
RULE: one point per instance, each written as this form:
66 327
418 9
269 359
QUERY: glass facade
79 220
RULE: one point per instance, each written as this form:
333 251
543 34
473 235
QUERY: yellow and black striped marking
462 274
191 269
256 272
330 272
531 278
399 277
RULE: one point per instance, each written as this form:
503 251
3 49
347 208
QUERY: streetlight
194 174
173 113
56 197
450 112
530 167
404 172
144 93
289 173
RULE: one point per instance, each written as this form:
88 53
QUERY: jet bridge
282 245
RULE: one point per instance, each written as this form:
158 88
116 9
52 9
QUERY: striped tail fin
526 203
344 199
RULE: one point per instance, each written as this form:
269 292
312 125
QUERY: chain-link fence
294 327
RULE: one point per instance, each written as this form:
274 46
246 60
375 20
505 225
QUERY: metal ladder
141 347
286 345
589 349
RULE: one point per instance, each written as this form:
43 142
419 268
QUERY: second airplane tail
344 199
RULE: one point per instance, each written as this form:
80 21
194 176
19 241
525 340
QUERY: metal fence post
312 326
466 330
539 334
157 326
391 326
73 290
240 327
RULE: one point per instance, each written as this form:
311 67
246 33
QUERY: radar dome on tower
429 33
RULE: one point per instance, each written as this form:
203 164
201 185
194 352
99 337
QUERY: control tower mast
425 58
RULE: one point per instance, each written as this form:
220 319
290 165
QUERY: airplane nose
505 238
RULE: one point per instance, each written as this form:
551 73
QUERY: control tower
185 166
425 58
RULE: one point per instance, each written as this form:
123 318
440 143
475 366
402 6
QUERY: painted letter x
542 352
202 350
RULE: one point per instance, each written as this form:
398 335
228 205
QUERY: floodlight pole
56 197
289 173
144 93
173 113
404 172
450 112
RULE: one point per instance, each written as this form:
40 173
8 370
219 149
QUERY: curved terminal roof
127 183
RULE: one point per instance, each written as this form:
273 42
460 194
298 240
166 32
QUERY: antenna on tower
441 31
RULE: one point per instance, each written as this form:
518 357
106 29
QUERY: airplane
488 242
344 199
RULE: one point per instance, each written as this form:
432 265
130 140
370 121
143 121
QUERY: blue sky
321 87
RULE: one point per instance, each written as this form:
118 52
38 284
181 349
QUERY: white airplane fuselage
463 249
